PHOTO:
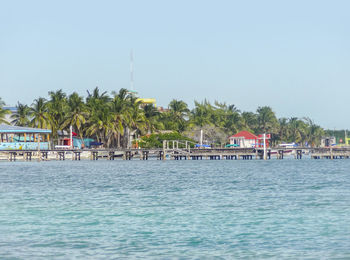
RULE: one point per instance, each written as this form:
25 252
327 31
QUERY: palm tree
228 117
233 122
39 114
152 118
119 109
314 132
56 108
21 117
201 114
178 109
3 113
99 124
100 117
283 129
267 120
175 118
297 130
95 99
76 113
135 121
249 121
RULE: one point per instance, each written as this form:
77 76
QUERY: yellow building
147 101
347 141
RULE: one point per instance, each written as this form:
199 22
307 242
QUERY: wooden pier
176 153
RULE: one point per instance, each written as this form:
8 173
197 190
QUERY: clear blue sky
290 55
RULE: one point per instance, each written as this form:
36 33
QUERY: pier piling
111 155
299 154
61 155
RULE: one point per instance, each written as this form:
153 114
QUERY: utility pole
264 138
39 157
71 137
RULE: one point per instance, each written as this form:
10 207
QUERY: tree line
111 119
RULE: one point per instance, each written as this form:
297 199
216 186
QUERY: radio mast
132 71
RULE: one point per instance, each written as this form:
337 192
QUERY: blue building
23 138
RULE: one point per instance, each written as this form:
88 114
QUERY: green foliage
175 117
3 112
21 117
39 113
114 119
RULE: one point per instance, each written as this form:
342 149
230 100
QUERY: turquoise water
290 209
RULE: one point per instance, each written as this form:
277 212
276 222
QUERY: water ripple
151 209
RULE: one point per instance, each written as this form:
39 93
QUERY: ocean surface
287 209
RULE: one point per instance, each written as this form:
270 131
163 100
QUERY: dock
176 153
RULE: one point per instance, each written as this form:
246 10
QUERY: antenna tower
131 70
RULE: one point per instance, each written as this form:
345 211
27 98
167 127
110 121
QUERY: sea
228 209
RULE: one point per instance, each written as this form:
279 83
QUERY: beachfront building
65 141
347 141
23 138
246 139
243 139
147 101
327 141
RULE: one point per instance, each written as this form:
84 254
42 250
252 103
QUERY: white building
243 139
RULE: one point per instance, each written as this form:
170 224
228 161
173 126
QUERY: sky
293 56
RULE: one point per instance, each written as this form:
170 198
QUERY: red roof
245 135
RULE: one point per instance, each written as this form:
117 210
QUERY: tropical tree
22 115
56 109
100 118
152 118
38 114
296 129
314 132
179 109
3 113
76 114
228 117
135 121
100 124
249 121
175 118
233 122
201 114
266 118
94 100
119 109
283 132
